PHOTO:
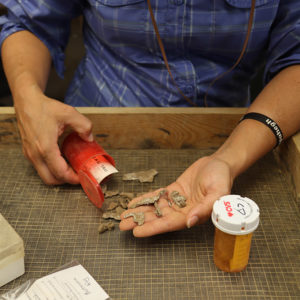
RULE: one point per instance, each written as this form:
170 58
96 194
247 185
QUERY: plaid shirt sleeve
48 20
284 44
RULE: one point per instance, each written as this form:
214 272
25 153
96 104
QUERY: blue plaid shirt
123 65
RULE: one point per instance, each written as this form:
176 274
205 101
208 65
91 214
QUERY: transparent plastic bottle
235 219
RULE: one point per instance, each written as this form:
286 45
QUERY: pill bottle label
100 168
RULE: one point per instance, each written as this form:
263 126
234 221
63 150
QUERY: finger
202 211
59 167
144 209
45 174
40 166
170 222
81 124
149 213
50 165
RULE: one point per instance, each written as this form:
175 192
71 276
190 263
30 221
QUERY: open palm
202 184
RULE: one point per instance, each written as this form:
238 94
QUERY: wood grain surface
145 128
160 128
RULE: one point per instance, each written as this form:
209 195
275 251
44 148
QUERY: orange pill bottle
235 219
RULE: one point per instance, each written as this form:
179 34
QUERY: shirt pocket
247 3
118 2
265 14
119 24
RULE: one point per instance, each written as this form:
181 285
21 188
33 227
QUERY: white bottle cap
235 215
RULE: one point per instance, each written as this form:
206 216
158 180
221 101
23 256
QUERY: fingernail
90 138
192 221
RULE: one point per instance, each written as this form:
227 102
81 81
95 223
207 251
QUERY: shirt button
177 2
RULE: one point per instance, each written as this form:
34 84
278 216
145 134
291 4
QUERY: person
123 66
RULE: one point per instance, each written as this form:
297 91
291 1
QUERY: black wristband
268 122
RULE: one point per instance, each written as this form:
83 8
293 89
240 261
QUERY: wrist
24 89
235 160
249 141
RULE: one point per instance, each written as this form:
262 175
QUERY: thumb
81 124
202 211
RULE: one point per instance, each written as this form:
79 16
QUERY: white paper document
74 283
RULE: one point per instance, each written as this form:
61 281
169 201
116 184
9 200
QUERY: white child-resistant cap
235 215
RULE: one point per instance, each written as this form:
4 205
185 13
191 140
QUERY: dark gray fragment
111 215
112 205
104 226
109 194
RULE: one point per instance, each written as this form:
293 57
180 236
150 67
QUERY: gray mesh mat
59 224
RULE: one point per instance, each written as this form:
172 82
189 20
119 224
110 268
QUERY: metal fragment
111 215
109 194
145 201
119 210
106 226
123 203
151 201
157 210
163 192
138 217
178 199
127 195
142 176
112 205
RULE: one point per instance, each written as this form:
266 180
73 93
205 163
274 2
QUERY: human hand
202 184
41 120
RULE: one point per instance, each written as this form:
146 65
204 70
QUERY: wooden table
58 224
